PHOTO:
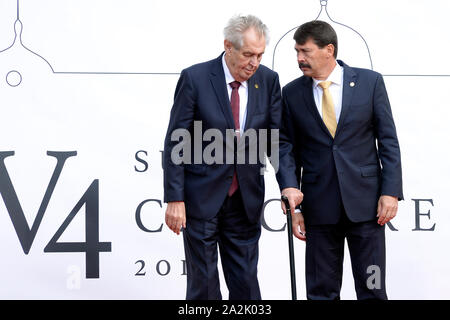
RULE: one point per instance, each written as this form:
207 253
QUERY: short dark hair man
339 144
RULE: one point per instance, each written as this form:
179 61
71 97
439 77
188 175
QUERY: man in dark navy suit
219 203
339 143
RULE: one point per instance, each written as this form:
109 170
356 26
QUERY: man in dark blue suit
219 202
339 143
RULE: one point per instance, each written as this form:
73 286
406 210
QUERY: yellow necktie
328 114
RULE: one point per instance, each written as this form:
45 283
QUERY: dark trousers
237 240
325 255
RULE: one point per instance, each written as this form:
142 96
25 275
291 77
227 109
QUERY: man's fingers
299 234
173 223
301 197
178 227
298 226
176 216
292 205
296 232
387 209
295 197
303 231
168 222
382 211
177 224
390 215
379 209
382 218
387 216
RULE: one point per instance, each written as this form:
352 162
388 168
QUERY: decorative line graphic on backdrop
323 5
14 78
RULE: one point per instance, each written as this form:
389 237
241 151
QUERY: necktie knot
325 84
235 84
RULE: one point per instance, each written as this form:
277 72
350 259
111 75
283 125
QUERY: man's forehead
308 44
254 46
253 49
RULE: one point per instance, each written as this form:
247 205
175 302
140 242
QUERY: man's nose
300 57
254 61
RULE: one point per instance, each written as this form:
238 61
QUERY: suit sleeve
275 121
181 118
388 146
287 173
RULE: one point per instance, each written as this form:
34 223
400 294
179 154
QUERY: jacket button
335 148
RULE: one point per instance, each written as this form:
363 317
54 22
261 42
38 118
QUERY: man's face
315 62
244 62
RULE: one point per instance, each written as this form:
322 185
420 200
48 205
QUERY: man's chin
306 71
247 75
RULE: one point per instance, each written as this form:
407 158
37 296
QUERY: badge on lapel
352 84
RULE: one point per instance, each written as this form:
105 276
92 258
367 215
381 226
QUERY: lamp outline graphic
14 77
323 7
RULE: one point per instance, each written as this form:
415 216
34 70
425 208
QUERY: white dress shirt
243 94
337 79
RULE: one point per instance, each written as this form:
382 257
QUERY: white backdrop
97 77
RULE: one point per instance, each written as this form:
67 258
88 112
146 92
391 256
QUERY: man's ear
330 49
227 45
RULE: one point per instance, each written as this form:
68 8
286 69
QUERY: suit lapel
253 90
311 104
348 87
217 78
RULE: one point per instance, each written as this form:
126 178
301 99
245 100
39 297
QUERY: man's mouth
304 66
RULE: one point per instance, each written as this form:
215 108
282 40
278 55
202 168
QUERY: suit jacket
201 95
352 170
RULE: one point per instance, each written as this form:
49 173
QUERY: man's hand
298 222
387 209
295 197
176 216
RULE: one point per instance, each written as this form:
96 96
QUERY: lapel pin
256 86
352 84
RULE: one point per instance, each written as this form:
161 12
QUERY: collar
335 76
228 77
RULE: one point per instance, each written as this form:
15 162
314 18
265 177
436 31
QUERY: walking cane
291 246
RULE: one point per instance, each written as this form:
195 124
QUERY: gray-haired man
219 205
